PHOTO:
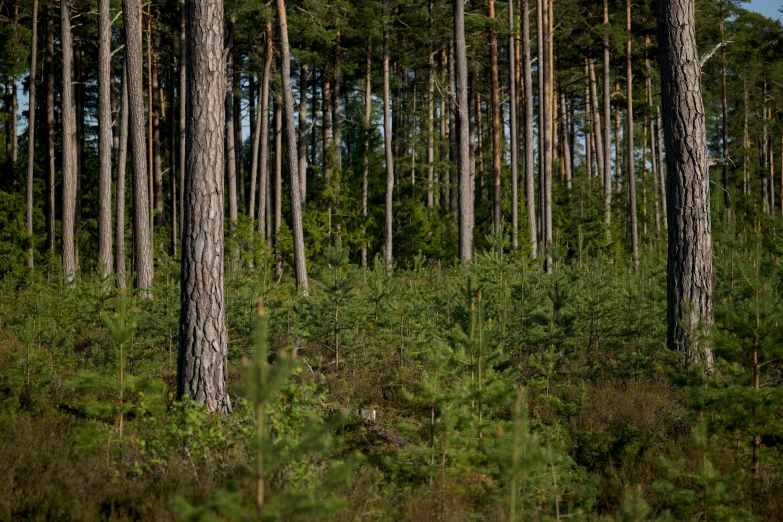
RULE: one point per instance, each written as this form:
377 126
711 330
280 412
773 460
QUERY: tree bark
530 182
105 259
629 137
512 106
302 153
31 133
300 262
142 233
387 143
597 127
546 130
69 144
463 137
263 162
430 114
183 67
453 137
203 350
231 160
607 125
367 131
50 170
497 209
155 111
689 273
119 252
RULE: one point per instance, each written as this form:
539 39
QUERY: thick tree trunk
119 252
367 131
31 133
202 367
497 209
530 182
69 144
50 165
463 136
290 133
142 233
512 107
629 136
690 277
387 145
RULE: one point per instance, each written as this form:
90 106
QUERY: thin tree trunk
599 142
142 233
745 143
254 155
607 122
50 171
443 193
653 137
690 276
453 138
156 109
202 367
278 180
173 195
105 259
263 162
238 138
629 121
546 130
303 75
387 144
497 209
565 141
337 124
430 114
183 67
78 88
661 176
31 134
290 132
231 160
122 156
367 131
530 183
512 107
463 128
725 119
69 144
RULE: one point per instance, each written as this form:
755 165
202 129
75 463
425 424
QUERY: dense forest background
400 346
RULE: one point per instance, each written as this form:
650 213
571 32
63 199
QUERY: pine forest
391 260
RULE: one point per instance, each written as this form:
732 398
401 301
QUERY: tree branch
714 50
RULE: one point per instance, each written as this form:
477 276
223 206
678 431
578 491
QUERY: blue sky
768 8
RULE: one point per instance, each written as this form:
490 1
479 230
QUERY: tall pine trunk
105 259
122 155
31 132
202 367
512 106
689 272
530 182
607 92
290 133
231 160
367 131
50 158
142 233
302 143
263 162
69 144
497 209
629 138
387 142
183 67
463 134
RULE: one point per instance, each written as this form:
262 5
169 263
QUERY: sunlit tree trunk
31 135
69 144
463 137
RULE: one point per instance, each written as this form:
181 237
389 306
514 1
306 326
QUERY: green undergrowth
501 393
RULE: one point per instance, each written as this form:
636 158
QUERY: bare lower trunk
183 67
629 136
156 111
690 277
367 131
387 144
263 161
50 170
202 367
530 183
31 134
607 121
497 209
142 234
463 138
300 262
512 106
69 144
430 116
303 75
105 260
119 253
546 130
597 128
231 160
